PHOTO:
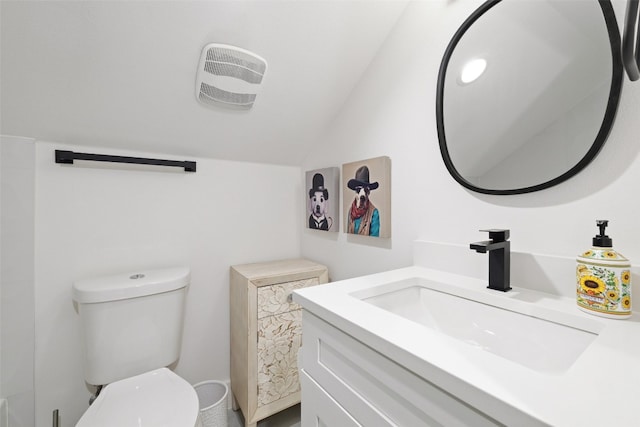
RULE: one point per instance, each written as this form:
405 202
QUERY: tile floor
287 418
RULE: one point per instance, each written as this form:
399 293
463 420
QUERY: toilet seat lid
157 398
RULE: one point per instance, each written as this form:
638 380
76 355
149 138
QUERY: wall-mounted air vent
229 76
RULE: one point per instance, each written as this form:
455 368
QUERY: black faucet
499 248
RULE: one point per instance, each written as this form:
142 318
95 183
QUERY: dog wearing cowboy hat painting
363 217
318 204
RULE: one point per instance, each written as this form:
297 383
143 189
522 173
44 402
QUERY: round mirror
527 93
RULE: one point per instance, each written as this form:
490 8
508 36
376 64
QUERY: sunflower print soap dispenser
603 279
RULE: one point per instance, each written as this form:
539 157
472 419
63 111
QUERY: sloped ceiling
122 73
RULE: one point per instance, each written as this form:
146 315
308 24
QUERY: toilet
132 330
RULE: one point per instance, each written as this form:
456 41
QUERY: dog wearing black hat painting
318 204
363 217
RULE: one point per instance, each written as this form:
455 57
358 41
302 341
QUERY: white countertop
601 388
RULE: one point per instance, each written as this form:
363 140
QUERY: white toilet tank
131 323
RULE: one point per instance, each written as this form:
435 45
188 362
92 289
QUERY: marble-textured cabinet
266 333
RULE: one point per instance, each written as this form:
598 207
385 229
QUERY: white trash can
212 396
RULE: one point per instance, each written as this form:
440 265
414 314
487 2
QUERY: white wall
3 401
17 317
392 112
94 220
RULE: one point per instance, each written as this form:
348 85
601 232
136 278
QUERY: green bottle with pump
603 278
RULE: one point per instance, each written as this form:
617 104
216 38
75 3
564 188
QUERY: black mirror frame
605 128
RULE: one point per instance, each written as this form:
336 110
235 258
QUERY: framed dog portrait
323 199
366 189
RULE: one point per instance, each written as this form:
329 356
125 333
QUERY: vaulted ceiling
122 73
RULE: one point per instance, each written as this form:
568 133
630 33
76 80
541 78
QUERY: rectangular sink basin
533 342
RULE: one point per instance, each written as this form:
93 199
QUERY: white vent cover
229 76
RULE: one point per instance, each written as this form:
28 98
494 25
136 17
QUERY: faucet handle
498 235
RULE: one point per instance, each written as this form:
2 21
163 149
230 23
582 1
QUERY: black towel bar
63 156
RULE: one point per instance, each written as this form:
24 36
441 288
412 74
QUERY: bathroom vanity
347 383
425 347
266 334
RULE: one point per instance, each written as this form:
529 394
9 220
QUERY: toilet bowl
158 398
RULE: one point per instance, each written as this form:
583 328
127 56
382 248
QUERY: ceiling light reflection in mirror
472 70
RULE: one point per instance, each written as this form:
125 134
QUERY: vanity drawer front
369 385
274 299
321 410
279 338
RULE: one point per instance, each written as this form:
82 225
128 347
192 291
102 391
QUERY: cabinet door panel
279 338
376 390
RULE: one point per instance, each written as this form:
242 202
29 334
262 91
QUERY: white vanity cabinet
419 346
346 383
266 333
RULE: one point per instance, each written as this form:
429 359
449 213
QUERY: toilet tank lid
130 285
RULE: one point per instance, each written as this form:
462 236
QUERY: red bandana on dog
359 212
